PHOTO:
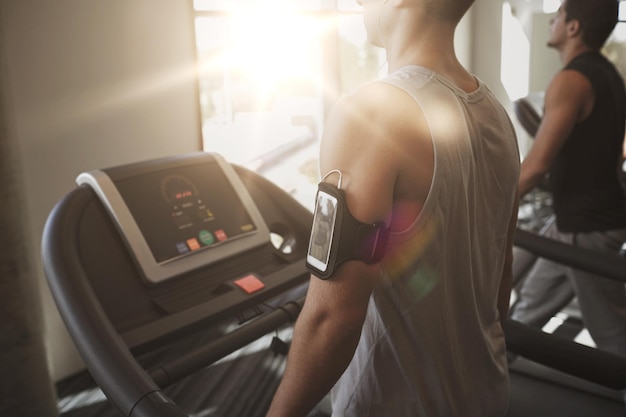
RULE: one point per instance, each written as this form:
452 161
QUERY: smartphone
324 218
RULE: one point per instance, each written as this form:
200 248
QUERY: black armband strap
336 236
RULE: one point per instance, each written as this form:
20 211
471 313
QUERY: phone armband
336 236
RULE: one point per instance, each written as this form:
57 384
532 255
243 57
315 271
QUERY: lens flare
403 257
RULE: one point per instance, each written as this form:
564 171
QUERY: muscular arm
328 330
568 100
325 337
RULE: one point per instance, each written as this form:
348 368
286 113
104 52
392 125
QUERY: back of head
597 19
448 10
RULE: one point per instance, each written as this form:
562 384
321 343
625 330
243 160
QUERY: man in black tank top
579 143
587 193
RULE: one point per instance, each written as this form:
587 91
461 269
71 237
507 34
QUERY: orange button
249 283
193 244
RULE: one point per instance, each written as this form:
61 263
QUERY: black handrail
169 373
590 364
604 264
120 376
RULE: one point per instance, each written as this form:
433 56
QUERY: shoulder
379 139
569 99
376 109
361 124
569 86
374 99
377 118
601 73
569 76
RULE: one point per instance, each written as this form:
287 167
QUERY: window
615 47
269 70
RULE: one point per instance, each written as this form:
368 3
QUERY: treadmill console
179 215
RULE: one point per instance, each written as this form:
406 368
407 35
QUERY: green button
206 237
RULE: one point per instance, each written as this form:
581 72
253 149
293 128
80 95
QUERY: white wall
95 84
486 46
486 52
463 40
544 61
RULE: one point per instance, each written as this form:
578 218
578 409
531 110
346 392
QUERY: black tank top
584 176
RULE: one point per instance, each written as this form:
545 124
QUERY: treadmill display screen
185 209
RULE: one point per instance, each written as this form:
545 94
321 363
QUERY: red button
249 284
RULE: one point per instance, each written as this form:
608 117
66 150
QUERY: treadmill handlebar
109 360
156 404
178 369
605 264
602 367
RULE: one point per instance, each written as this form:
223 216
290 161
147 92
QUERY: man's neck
418 39
429 48
435 53
571 52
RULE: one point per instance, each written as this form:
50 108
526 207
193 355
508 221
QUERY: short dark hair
597 19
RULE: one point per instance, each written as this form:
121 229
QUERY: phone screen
324 218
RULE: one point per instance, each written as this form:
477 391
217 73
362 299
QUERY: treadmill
146 255
196 252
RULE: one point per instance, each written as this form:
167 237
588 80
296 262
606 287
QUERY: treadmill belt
241 384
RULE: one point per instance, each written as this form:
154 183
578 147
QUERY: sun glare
271 45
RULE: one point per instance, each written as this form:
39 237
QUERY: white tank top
432 344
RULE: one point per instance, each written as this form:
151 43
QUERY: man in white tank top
429 151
